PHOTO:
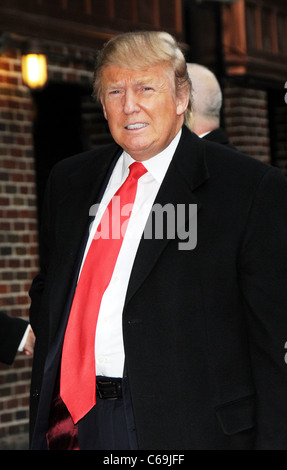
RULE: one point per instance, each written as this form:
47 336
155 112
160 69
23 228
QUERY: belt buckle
103 395
99 391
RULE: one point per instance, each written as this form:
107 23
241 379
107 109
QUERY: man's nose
130 104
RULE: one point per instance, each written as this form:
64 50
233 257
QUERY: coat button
134 321
36 394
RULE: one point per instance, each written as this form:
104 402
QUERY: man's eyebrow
136 82
144 81
113 85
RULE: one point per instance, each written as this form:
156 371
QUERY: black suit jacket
218 135
204 329
11 333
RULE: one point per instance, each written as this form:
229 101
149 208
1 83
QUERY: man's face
143 112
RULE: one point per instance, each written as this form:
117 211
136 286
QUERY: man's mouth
138 125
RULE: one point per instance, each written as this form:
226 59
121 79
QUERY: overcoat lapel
86 189
186 172
74 216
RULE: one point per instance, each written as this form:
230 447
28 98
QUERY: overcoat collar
85 186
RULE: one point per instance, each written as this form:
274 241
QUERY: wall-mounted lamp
34 66
33 58
34 70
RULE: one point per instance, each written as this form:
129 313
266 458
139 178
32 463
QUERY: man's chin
140 152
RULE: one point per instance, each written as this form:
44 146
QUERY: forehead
115 75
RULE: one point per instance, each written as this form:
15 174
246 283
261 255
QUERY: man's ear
104 109
182 101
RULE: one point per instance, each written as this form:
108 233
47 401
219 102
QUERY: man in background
206 104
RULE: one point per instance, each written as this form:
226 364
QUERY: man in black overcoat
192 344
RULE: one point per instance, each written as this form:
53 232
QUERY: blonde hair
140 50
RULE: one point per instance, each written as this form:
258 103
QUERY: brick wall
18 231
279 142
18 213
246 119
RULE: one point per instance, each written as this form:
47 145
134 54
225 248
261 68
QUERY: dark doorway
67 121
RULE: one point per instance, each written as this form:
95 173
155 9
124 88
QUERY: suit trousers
109 425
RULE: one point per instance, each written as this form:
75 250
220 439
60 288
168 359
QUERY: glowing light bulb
34 70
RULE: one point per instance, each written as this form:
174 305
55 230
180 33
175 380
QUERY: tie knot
137 170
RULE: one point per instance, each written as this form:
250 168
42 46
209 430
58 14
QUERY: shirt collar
203 135
156 166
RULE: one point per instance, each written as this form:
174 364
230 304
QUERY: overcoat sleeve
263 278
11 333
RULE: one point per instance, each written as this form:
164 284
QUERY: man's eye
114 92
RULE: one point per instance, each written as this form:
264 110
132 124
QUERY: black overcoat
204 329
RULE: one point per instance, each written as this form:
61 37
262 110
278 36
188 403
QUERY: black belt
109 389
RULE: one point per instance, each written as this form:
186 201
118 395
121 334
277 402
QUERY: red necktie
78 381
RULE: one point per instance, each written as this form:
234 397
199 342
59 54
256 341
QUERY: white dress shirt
109 347
24 339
